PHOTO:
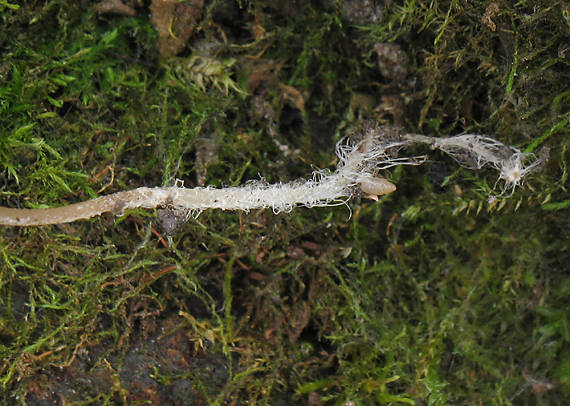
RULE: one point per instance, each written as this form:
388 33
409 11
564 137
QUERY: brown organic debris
392 61
362 12
394 106
293 96
114 7
206 154
491 12
174 22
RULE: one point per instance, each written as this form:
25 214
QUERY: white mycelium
357 170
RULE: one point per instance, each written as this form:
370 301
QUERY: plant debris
175 22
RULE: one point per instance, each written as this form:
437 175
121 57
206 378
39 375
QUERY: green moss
433 295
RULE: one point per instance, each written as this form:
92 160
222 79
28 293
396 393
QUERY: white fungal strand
322 190
513 171
476 151
358 167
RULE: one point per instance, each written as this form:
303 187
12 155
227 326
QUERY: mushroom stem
357 169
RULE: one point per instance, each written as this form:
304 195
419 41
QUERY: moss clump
432 295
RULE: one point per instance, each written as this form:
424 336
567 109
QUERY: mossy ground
429 296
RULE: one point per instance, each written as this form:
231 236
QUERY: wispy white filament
476 151
359 163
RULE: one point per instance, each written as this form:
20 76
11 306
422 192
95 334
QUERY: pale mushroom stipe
357 172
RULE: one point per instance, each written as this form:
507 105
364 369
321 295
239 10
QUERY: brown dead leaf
114 7
174 22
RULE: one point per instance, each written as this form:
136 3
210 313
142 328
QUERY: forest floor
443 292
